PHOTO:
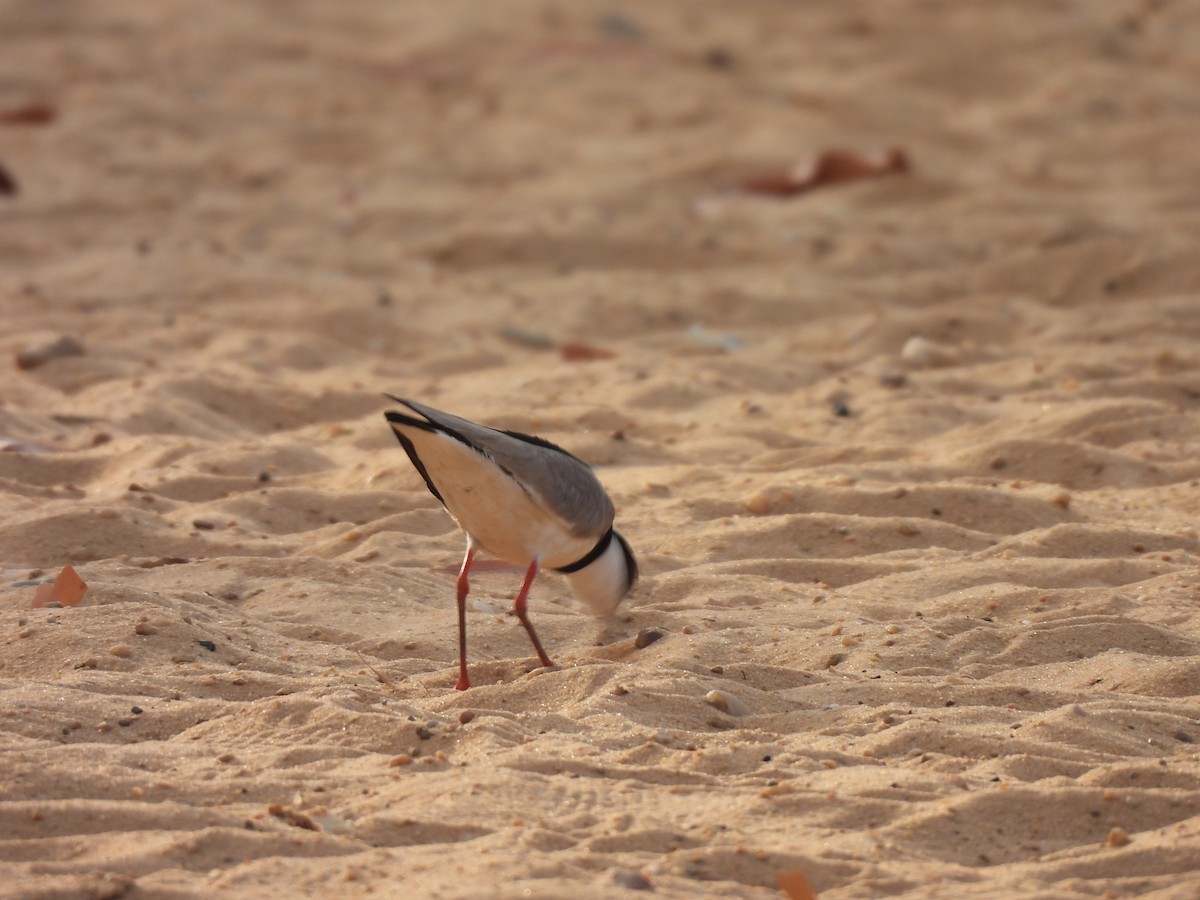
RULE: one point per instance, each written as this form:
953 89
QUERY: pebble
631 880
920 351
1117 837
144 628
32 357
120 650
646 637
726 703
759 504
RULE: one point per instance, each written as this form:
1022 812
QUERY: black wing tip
399 418
411 450
395 418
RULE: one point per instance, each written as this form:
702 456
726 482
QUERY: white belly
500 517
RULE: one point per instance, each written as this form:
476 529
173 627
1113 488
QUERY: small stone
210 646
726 703
124 721
465 716
203 524
144 628
226 758
32 357
717 58
646 637
631 880
759 504
920 351
423 733
120 650
1117 837
402 760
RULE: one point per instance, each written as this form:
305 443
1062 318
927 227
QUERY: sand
909 463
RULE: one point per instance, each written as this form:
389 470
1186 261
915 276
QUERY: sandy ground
910 464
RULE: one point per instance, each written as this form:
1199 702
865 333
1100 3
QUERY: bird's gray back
564 484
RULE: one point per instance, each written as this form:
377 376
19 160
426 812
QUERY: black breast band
592 555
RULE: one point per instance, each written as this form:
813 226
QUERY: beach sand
909 463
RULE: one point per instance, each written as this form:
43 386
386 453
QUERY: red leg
464 680
519 609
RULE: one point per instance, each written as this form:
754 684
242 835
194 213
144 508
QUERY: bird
523 500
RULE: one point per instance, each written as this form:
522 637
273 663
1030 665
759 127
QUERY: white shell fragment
727 703
920 351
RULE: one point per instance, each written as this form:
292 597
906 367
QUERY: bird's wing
562 483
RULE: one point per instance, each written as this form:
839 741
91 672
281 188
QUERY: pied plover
523 500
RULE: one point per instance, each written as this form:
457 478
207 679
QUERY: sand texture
910 462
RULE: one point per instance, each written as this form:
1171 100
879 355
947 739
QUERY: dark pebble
631 880
424 733
646 637
8 184
718 58
136 710
210 646
32 357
